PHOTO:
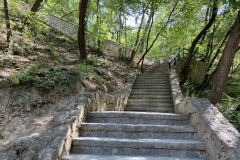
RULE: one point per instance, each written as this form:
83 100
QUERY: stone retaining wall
221 138
55 143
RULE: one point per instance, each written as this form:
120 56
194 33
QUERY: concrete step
101 157
150 97
152 83
134 92
152 78
145 101
150 109
151 87
149 104
151 90
137 131
125 117
165 76
132 147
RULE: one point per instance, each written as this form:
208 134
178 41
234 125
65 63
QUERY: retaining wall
55 143
221 138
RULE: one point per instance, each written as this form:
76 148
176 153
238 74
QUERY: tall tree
134 51
9 33
159 33
83 5
98 23
225 63
185 69
145 30
34 9
211 63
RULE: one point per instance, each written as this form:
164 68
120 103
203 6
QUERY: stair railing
181 53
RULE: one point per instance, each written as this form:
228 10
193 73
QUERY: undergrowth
230 102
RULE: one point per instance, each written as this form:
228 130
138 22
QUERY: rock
46 154
21 144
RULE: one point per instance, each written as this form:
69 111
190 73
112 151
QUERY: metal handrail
180 54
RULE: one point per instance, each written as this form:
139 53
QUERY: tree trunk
225 63
98 22
211 63
206 20
194 43
145 31
156 38
34 9
120 34
9 33
83 5
138 35
36 6
125 21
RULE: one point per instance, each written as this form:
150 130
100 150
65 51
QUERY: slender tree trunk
156 38
138 35
125 20
145 31
225 63
194 43
9 32
98 22
206 20
120 33
34 9
83 5
216 55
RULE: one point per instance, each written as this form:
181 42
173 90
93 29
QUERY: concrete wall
221 138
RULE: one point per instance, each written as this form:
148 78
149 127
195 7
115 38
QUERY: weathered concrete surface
98 157
221 138
175 89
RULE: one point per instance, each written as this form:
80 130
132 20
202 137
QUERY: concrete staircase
148 129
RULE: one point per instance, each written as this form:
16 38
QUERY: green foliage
228 108
43 78
197 70
82 70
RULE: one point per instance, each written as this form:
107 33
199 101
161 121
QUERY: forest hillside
52 50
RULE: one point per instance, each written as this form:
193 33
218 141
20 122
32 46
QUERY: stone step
146 101
165 76
152 78
149 104
154 90
150 97
137 131
101 157
125 117
140 147
162 72
151 87
150 109
152 83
